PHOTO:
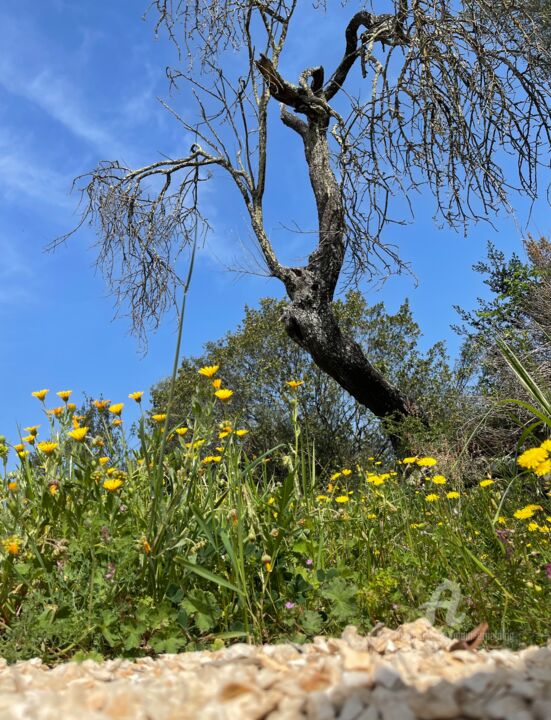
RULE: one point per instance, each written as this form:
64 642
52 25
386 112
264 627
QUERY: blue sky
78 84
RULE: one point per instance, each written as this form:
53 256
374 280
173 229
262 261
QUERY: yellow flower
241 433
486 483
342 499
112 484
78 434
47 447
224 394
533 526
346 472
116 422
64 394
209 370
116 409
532 458
544 468
181 431
101 404
330 487
71 406
439 480
196 444
452 495
432 497
103 460
137 396
23 454
146 546
524 513
546 445
76 420
57 411
378 480
502 520
335 476
18 448
409 460
53 488
12 485
32 430
159 418
223 434
12 545
426 462
40 394
371 516
217 383
294 384
211 459
322 498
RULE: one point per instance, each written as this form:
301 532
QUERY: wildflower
217 383
452 495
103 460
416 526
533 526
116 422
322 498
196 444
271 500
309 562
181 431
409 460
346 472
267 560
146 546
371 516
294 384
64 394
502 520
426 462
137 396
524 513
224 394
532 458
439 480
78 434
71 406
112 484
209 370
57 411
101 404
18 448
241 433
23 454
159 418
342 499
543 469
548 570
116 409
98 441
432 497
486 483
211 459
53 487
335 476
32 430
378 480
330 487
12 485
40 394
12 545
47 447
76 420
289 605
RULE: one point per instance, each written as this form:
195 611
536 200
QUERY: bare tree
452 88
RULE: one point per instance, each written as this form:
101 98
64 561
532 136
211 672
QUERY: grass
173 538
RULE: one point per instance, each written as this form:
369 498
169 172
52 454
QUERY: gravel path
400 674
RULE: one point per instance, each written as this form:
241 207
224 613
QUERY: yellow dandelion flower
57 411
543 469
486 483
223 434
534 507
271 500
544 528
23 454
32 430
342 499
346 472
322 498
241 433
432 497
78 434
209 370
217 383
410 460
112 484
12 485
532 458
181 431
116 409
371 516
104 460
101 404
439 480
64 394
224 394
116 422
159 417
378 480
211 459
294 384
47 447
335 476
533 526
53 488
12 545
426 462
524 513
137 396
452 495
40 394
502 520
18 448
76 420
71 406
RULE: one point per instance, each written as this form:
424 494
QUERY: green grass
187 554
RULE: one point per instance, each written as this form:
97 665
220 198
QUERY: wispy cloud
15 275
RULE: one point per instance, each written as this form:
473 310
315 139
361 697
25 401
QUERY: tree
257 359
452 89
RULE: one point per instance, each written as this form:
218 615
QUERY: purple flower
289 605
309 561
548 570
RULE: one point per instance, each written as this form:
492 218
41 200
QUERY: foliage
258 357
126 557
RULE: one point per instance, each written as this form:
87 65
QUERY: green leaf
311 622
212 577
